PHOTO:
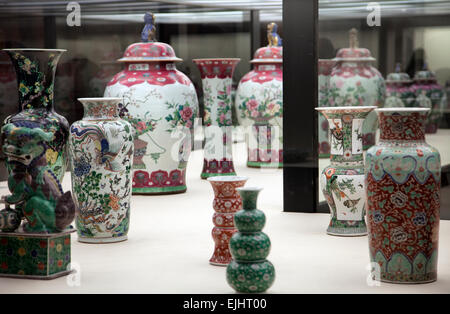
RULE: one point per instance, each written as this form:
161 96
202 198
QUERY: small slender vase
398 90
403 175
101 153
250 271
343 181
429 94
226 203
325 68
217 77
35 72
259 100
355 82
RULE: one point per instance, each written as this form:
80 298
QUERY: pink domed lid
149 50
353 53
273 53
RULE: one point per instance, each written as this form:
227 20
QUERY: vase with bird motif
101 154
342 182
161 104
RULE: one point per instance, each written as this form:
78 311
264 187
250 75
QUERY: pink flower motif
270 106
141 126
222 104
254 114
358 83
222 118
189 124
228 90
186 113
339 84
331 101
252 104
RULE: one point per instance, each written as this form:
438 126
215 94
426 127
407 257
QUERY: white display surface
170 244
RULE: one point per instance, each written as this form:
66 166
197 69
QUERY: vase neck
35 71
100 108
249 197
403 126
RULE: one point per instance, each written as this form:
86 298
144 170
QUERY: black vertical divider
255 31
300 165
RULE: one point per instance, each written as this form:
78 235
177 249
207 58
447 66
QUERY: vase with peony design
355 82
101 154
217 78
35 73
342 182
325 68
227 202
259 101
402 178
161 104
429 94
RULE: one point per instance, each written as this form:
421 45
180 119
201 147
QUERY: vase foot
159 190
102 240
260 164
218 264
347 232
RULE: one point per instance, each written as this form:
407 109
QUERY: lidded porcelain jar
355 82
160 102
259 101
398 90
429 94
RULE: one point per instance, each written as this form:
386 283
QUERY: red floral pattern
220 68
150 50
271 54
395 126
218 166
160 178
264 73
362 69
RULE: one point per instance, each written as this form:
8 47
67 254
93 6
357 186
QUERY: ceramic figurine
250 271
398 90
259 100
217 77
101 153
342 182
28 250
161 104
354 82
35 71
325 68
429 94
403 175
226 203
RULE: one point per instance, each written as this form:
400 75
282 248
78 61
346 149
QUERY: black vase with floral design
35 70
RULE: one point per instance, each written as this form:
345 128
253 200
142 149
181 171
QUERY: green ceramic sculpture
250 271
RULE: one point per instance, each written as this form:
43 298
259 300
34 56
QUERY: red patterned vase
325 68
161 104
217 78
259 100
398 90
429 94
402 177
227 202
354 82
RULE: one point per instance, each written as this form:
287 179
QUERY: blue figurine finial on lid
149 31
398 67
272 35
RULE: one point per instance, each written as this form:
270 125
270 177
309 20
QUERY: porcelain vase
101 153
35 73
342 182
161 104
403 175
217 78
398 90
226 203
259 100
250 271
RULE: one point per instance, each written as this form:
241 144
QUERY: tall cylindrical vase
403 175
101 153
226 203
342 181
217 77
35 72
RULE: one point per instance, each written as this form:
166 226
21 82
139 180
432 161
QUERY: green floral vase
250 271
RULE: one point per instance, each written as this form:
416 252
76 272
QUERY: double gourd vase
355 82
161 104
259 103
342 182
101 154
217 78
402 177
226 203
250 271
35 72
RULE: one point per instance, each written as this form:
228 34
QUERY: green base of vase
258 164
347 232
160 190
205 175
